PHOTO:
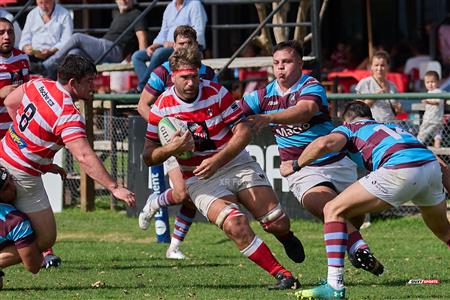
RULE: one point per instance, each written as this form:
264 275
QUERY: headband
185 72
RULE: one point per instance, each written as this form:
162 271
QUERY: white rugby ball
167 127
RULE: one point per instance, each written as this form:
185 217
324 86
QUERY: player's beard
5 52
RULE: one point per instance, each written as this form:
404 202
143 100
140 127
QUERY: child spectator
434 111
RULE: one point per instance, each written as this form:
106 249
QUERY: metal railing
214 26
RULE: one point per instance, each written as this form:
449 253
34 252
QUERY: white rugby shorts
422 185
226 182
341 174
31 194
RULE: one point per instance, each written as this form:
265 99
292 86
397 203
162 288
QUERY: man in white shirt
47 28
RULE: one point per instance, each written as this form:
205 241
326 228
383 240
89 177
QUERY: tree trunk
280 33
264 40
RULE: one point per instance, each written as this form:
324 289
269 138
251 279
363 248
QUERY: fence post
87 188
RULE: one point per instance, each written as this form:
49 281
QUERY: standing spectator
93 48
45 119
47 28
17 30
382 110
434 111
178 12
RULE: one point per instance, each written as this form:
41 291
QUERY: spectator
341 57
412 65
93 48
17 30
434 111
178 12
383 110
47 28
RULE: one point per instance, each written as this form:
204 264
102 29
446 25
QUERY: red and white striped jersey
46 119
13 70
210 119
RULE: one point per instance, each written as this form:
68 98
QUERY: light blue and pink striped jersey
293 139
14 227
373 145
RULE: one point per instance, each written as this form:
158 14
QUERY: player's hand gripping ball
167 127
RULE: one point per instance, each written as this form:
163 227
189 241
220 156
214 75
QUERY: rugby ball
167 127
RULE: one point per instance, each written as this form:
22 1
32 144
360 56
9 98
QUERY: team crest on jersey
234 106
17 139
292 99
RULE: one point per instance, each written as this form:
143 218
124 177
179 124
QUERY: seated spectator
16 234
92 47
412 65
178 12
383 111
341 57
47 28
17 30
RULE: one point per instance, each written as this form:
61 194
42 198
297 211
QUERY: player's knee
331 211
45 242
77 36
183 195
275 219
232 221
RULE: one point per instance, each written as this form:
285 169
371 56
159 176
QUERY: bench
215 63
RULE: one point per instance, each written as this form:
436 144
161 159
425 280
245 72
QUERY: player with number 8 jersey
46 119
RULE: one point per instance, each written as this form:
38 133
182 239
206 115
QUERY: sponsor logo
17 139
424 281
290 130
45 95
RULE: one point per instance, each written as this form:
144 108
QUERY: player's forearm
94 168
315 150
143 109
292 115
156 155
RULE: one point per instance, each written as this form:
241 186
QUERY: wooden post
87 187
113 152
369 28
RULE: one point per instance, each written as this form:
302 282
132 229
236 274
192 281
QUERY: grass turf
105 256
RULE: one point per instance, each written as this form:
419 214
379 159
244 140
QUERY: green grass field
106 256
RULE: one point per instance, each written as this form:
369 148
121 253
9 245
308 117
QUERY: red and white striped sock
260 254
